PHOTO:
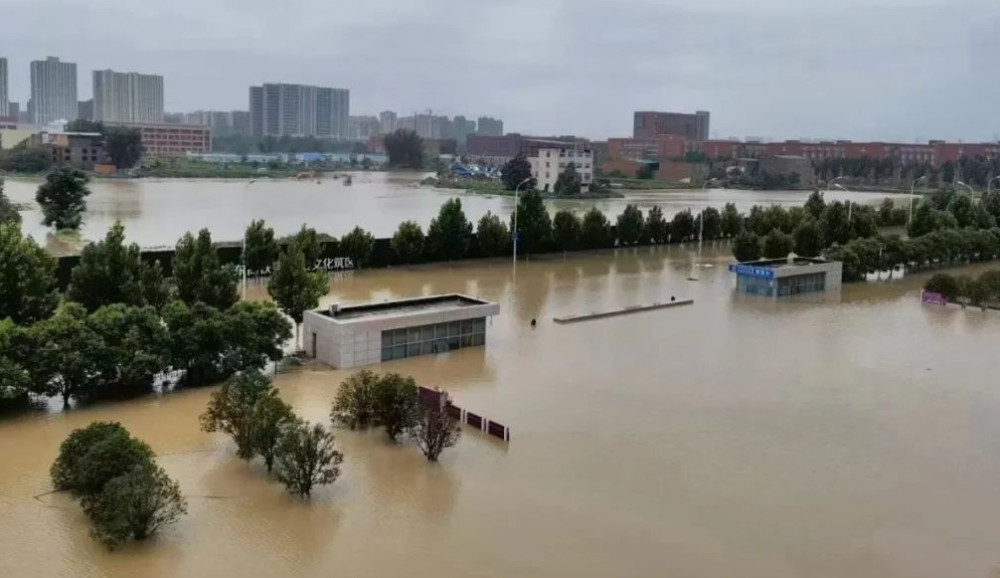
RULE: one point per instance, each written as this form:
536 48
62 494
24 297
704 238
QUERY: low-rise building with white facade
346 337
548 163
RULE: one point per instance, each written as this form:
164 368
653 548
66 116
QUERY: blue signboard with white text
751 271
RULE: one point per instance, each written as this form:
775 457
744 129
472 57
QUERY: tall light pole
913 188
833 183
708 182
517 190
971 190
849 206
246 187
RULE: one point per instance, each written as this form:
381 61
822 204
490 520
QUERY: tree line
982 291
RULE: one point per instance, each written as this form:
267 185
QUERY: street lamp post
849 206
833 183
971 190
913 188
517 190
708 182
246 187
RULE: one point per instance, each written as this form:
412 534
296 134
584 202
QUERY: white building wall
549 163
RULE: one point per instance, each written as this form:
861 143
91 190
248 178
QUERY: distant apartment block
487 126
172 140
548 163
128 97
13 110
427 126
173 118
53 91
693 127
658 148
4 95
299 110
240 122
85 109
387 121
363 128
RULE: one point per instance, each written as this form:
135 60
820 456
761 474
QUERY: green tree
568 183
961 208
449 234
566 230
231 409
396 403
534 226
84 125
434 430
885 213
682 226
69 356
269 419
923 221
808 239
308 240
836 227
492 235
991 201
746 247
405 149
294 288
815 205
198 275
62 196
24 159
255 333
630 224
307 458
864 222
15 355
136 505
136 346
713 223
354 407
357 246
732 221
261 248
656 225
93 456
28 279
515 172
645 172
124 146
595 231
155 286
197 341
777 244
8 211
112 272
408 242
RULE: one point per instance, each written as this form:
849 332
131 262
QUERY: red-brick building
173 140
662 147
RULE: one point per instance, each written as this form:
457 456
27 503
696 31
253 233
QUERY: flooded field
735 437
158 212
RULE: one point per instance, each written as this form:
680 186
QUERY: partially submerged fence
435 398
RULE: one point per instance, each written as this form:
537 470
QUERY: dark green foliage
961 208
231 409
405 149
261 247
84 125
835 225
712 228
357 246
408 242
309 242
26 159
656 225
112 272
134 505
746 247
808 239
306 458
534 226
517 171
91 457
568 183
62 198
269 419
630 225
815 205
293 288
15 355
991 201
682 226
354 406
864 222
732 221
396 404
69 358
449 234
155 287
944 284
124 146
645 172
566 228
198 275
434 430
777 244
492 235
595 231
27 278
136 347
8 212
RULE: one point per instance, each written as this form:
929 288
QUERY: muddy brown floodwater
735 437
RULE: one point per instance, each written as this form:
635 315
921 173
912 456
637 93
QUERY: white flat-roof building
346 337
550 162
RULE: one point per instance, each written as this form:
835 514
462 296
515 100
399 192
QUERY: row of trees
982 291
124 493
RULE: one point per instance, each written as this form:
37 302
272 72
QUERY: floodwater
157 212
858 436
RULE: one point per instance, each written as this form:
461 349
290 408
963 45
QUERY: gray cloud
880 69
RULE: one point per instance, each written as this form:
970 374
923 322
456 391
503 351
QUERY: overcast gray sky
859 69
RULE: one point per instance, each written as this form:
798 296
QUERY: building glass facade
799 284
435 338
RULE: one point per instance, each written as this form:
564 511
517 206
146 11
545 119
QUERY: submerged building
346 337
786 277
